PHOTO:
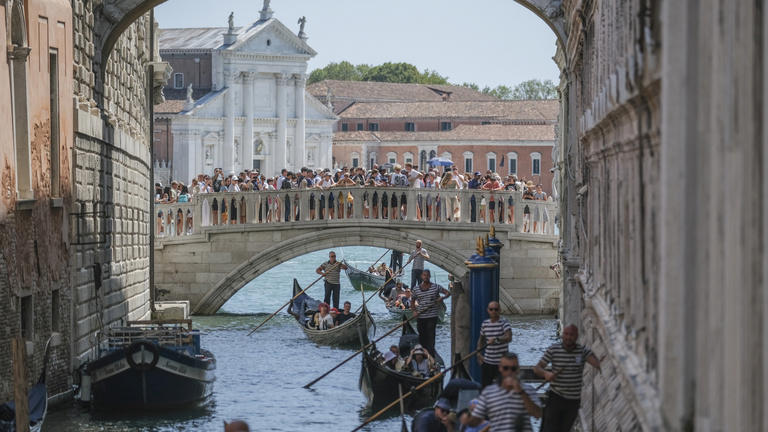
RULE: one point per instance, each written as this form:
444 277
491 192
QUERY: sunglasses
492 309
509 368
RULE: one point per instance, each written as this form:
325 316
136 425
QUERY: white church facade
236 100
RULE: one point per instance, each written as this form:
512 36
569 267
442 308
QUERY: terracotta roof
493 132
526 110
345 92
175 99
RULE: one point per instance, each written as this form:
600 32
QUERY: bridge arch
446 257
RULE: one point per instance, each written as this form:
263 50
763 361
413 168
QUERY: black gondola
380 383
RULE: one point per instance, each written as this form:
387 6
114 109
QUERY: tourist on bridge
507 403
495 333
331 271
564 395
417 256
427 299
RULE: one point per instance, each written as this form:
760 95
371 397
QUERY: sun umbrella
438 161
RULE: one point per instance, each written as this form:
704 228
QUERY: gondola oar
545 381
289 302
403 426
417 388
361 350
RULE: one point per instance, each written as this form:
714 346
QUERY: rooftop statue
231 22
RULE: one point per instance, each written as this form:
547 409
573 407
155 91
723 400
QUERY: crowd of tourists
377 204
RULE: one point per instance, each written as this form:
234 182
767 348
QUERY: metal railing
433 207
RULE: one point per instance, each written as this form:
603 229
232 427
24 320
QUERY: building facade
37 188
237 101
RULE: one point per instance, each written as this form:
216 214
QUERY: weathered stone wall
110 222
34 247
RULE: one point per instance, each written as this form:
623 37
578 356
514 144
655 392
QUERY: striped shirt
490 330
570 364
505 409
332 272
427 299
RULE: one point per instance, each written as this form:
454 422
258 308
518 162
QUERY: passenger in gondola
393 361
394 294
419 362
322 320
335 315
346 314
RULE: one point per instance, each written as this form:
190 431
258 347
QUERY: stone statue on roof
266 12
231 22
302 22
189 94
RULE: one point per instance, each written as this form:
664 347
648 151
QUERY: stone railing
432 207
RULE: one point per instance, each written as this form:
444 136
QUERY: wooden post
19 355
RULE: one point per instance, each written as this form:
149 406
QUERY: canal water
260 378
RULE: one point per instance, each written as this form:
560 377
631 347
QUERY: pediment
271 37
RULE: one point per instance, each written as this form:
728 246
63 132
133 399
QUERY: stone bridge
205 254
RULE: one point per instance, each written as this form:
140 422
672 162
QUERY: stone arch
18 52
403 241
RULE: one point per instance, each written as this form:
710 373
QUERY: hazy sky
488 42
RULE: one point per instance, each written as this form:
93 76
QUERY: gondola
398 313
348 334
380 383
149 365
369 281
37 397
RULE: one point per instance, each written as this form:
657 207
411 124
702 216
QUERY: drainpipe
150 82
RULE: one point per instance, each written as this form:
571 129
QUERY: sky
487 42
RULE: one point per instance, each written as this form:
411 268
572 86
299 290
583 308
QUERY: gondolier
427 304
417 256
564 395
331 272
495 333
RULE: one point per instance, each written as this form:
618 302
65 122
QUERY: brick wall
197 73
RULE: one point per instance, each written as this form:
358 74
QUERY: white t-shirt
324 323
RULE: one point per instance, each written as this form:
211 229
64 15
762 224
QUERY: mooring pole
481 274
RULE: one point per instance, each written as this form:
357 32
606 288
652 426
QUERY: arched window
512 163
355 159
372 159
392 157
407 157
423 159
536 163
491 158
468 165
432 154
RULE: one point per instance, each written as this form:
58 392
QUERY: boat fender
136 347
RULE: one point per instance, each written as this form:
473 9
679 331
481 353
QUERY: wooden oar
417 388
403 426
382 256
289 302
545 381
360 350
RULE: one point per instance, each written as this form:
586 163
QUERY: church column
300 153
282 123
246 158
228 153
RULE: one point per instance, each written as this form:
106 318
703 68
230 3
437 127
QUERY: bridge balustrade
440 207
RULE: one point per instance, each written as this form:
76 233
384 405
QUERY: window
27 318
410 127
485 123
360 126
55 310
392 157
512 163
536 163
345 127
432 154
373 127
445 126
355 159
423 159
407 158
491 158
468 161
257 164
53 73
178 80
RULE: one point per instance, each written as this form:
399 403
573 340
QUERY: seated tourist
322 319
419 362
392 361
335 315
345 314
394 294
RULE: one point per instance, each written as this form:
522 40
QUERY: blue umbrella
437 161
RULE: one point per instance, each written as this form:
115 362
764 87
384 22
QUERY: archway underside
445 256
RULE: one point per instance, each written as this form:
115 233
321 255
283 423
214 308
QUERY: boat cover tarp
303 302
38 397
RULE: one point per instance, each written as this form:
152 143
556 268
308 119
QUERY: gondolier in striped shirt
495 333
564 395
427 301
331 271
507 403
